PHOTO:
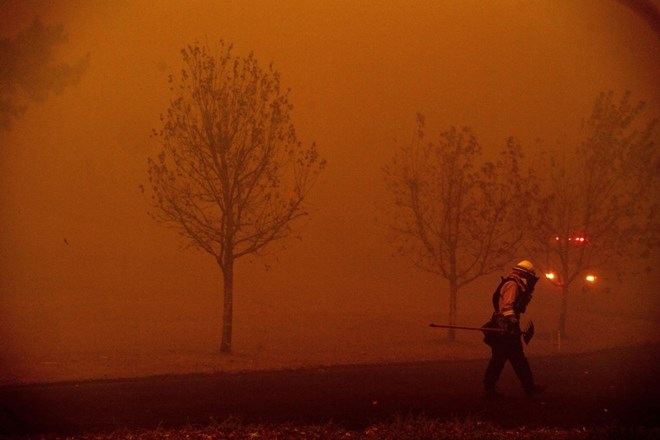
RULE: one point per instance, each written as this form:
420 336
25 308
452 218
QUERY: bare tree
29 72
456 214
597 201
232 174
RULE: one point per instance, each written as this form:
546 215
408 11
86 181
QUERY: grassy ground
418 428
290 337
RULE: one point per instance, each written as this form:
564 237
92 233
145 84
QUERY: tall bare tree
29 71
232 174
597 201
456 213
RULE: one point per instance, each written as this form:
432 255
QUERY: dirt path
614 386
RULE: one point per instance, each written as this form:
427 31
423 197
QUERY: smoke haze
83 268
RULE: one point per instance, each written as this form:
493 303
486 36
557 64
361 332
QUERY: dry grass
294 339
417 428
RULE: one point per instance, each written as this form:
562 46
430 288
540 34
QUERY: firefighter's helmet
526 267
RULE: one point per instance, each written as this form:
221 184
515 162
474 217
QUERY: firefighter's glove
512 326
514 331
502 322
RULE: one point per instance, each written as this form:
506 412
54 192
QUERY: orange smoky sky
358 70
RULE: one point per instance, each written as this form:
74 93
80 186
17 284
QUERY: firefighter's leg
521 366
495 366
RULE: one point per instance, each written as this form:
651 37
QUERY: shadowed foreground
616 386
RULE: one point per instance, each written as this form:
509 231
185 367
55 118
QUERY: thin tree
456 213
596 202
29 71
232 174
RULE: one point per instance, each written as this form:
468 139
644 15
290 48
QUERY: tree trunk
453 299
228 305
453 290
563 311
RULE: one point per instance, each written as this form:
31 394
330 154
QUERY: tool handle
460 327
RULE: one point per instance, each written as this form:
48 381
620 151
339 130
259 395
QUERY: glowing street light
554 279
578 239
590 278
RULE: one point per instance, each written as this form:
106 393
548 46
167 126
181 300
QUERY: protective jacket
511 297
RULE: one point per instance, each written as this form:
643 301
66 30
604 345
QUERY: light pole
568 265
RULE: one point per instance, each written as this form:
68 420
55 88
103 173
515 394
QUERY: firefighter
510 300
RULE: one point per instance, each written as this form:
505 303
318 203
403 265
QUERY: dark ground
618 386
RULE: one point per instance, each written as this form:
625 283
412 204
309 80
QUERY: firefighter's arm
508 295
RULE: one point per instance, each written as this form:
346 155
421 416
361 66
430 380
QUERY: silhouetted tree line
233 176
577 209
